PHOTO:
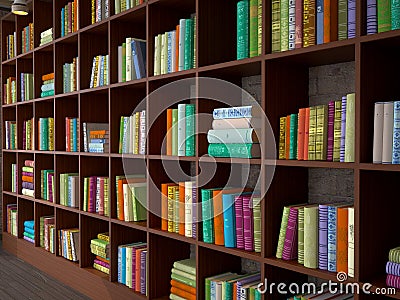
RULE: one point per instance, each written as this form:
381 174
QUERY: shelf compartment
43 162
26 212
43 109
58 5
65 52
24 65
8 28
6 200
42 210
65 107
43 65
22 22
64 164
65 220
20 163
9 114
41 21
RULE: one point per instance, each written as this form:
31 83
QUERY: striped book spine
342 20
293 136
239 222
290 245
257 223
396 133
384 15
284 25
248 224
282 232
343 129
300 236
331 121
351 19
371 17
276 24
292 24
332 225
323 237
393 268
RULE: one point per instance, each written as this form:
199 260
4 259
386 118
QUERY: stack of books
95 195
12 219
122 5
28 137
131 60
132 266
231 218
96 137
176 50
14 178
28 187
101 248
70 76
29 231
27 38
132 134
46 134
69 244
181 129
249 28
11 45
46 36
11 135
47 240
72 134
46 185
131 199
235 133
27 87
393 268
382 16
179 208
69 189
10 91
69 18
323 132
318 236
233 286
100 71
47 88
100 10
183 279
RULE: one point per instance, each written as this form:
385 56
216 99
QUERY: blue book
135 59
169 58
62 22
74 135
29 230
100 141
228 209
141 52
372 21
29 224
323 237
332 215
119 264
320 22
101 68
396 133
123 264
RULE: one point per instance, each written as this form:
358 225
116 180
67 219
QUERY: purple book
134 258
323 237
29 239
351 19
393 268
331 121
22 87
27 185
343 134
248 224
92 189
143 259
290 246
194 211
372 22
102 263
30 174
50 177
24 136
239 222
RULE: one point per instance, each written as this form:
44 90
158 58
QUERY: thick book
235 150
312 133
331 123
388 119
181 129
233 136
384 15
337 130
342 19
282 231
342 240
287 137
242 43
189 207
207 207
257 223
240 123
253 28
282 134
321 136
349 155
239 222
320 21
290 245
351 241
190 142
309 23
276 25
186 265
372 21
300 133
292 24
351 19
293 136
343 129
284 27
248 223
311 236
378 133
228 208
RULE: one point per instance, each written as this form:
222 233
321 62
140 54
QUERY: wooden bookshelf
375 56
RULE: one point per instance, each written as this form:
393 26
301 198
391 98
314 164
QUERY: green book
242 29
253 28
44 133
342 19
312 133
184 280
282 231
276 26
207 212
260 27
174 131
186 265
311 236
350 124
234 150
139 192
190 147
27 169
117 6
337 131
31 236
85 193
188 44
395 14
121 134
321 136
300 236
293 136
257 223
284 27
207 283
194 46
184 274
384 15
100 243
123 62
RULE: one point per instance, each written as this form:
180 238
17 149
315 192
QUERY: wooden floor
19 280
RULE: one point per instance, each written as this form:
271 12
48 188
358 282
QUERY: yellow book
282 130
96 68
51 134
312 133
171 198
104 236
321 137
136 137
337 130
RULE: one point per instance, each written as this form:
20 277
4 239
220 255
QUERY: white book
162 54
128 266
107 70
189 185
156 57
74 191
181 129
128 59
173 50
387 141
99 64
127 203
132 133
350 124
378 133
117 6
92 74
128 4
351 240
182 28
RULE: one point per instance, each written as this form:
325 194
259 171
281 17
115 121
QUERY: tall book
298 23
312 133
292 24
300 236
342 19
284 27
320 21
384 15
343 130
388 113
396 133
242 29
350 124
290 245
306 133
282 131
378 133
351 19
372 22
293 136
276 25
300 133
321 136
309 23
351 241
282 231
331 123
323 237
337 130
311 236
342 240
253 28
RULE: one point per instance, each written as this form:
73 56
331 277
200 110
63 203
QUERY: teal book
44 133
188 44
228 208
235 150
284 28
190 130
207 212
395 14
243 29
293 136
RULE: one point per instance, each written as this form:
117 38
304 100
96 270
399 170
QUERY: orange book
164 206
137 274
327 21
300 134
27 178
218 218
98 132
342 239
120 200
182 208
102 259
287 137
48 76
75 15
182 293
169 131
183 286
306 127
235 290
177 48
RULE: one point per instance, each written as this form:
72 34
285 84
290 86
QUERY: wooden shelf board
135 225
380 167
233 251
171 235
311 164
71 209
94 215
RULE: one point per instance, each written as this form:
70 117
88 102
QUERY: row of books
96 195
47 186
181 129
14 178
11 45
96 137
46 134
175 50
132 134
28 184
46 36
27 87
68 244
10 91
100 10
382 16
100 247
131 198
131 60
47 88
178 208
231 218
28 135
233 286
12 219
393 268
47 231
183 279
100 71
29 231
132 266
249 28
122 5
69 18
235 132
70 76
69 189
27 38
318 236
11 135
72 134
323 132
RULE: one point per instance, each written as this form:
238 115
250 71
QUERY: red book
327 21
177 48
306 135
300 133
69 17
287 137
218 217
169 131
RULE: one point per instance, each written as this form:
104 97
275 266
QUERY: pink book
306 133
47 222
29 163
239 222
290 245
101 202
50 177
331 119
248 224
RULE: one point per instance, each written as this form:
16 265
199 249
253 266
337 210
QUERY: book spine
284 27
282 130
372 22
320 22
323 237
327 21
207 213
290 245
350 124
190 146
257 223
387 142
248 224
233 150
342 240
312 133
188 44
182 33
343 129
306 133
342 19
239 222
181 129
384 15
253 28
351 19
234 112
276 24
396 133
300 238
174 129
229 221
242 29
292 24
260 26
321 132
311 237
309 23
282 232
293 136
332 232
331 123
